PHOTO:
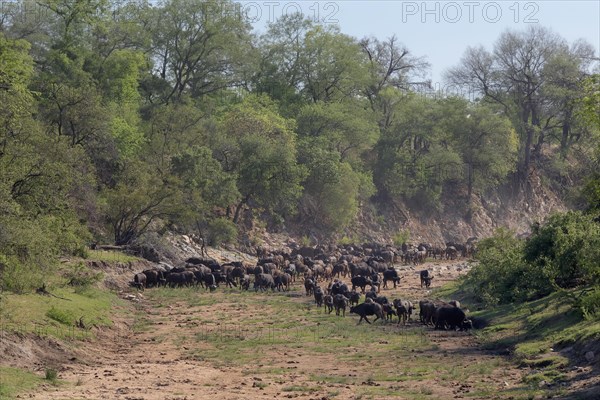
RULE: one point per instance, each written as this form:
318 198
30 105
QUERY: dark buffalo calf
309 286
340 302
179 279
318 293
403 309
282 282
154 277
328 301
426 278
354 297
388 311
426 311
245 282
139 281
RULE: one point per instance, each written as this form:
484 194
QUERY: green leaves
567 246
560 254
258 146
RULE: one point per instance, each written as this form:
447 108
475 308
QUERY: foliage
139 199
566 248
501 275
15 381
258 146
80 276
221 230
589 304
51 375
533 75
560 254
120 119
401 237
60 315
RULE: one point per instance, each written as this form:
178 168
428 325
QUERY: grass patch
534 332
51 375
111 256
301 388
59 315
52 316
14 381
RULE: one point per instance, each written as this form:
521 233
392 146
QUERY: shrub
561 254
590 304
305 241
221 230
62 316
502 276
51 375
566 248
345 240
81 276
401 237
18 278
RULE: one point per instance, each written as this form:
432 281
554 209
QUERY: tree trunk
238 209
566 131
524 175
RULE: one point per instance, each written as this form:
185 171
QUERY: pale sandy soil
155 364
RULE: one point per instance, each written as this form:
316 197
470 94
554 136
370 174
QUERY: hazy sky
440 30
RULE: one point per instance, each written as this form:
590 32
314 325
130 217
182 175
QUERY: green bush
561 254
305 241
502 276
590 304
62 316
51 375
221 230
346 240
18 278
81 276
566 249
401 237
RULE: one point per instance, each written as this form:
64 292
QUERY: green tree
486 142
199 47
258 146
566 248
317 61
531 74
348 128
333 190
390 64
139 199
204 185
415 156
40 180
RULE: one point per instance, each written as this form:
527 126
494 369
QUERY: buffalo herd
368 266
